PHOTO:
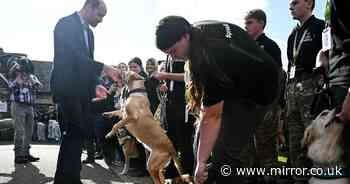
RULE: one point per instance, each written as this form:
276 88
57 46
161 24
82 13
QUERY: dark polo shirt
271 48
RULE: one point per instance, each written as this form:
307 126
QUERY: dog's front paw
108 114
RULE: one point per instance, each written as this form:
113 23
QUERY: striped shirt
22 93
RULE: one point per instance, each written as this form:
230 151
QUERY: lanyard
170 65
296 49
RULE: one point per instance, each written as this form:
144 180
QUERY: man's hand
322 59
35 81
168 76
111 72
341 117
209 129
101 92
163 88
201 173
159 75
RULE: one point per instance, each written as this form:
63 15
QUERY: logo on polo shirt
308 37
228 31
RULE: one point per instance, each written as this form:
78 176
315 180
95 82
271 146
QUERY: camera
21 64
12 63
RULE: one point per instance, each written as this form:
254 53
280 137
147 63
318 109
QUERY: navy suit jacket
74 72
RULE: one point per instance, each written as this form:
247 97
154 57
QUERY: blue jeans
23 116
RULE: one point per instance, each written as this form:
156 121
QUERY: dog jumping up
137 117
325 147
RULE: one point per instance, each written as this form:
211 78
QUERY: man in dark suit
73 84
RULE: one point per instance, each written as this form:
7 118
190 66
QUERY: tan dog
325 146
138 119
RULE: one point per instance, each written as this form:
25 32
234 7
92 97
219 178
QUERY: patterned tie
91 42
87 38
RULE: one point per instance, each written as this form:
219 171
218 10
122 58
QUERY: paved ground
42 172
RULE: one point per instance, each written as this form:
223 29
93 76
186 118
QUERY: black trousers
90 139
77 127
181 135
108 146
239 121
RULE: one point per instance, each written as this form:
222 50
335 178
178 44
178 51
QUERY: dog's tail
177 163
185 178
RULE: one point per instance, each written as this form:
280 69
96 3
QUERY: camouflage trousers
261 148
265 139
300 96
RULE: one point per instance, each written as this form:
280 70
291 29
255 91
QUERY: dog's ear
331 118
308 137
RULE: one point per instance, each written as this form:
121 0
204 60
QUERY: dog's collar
137 90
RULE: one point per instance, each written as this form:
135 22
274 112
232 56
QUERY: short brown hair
136 60
257 14
313 4
170 30
93 3
152 61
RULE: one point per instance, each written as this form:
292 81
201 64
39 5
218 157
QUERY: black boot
21 160
31 158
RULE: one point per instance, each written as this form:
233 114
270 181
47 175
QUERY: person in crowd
234 82
23 86
338 25
265 136
151 66
304 42
152 84
135 65
123 67
73 84
255 23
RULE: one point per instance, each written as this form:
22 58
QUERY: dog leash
162 103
